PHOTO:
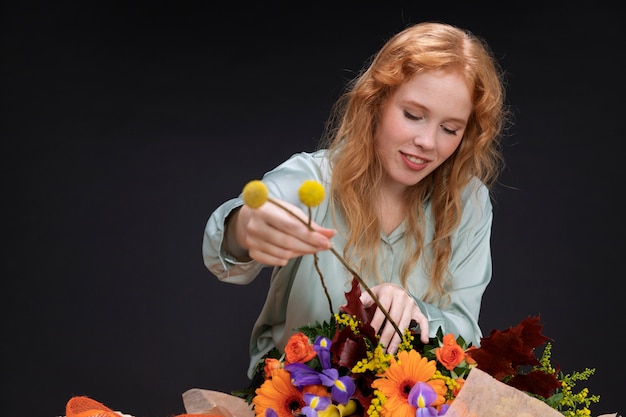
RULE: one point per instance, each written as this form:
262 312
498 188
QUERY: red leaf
502 353
536 382
354 306
347 349
364 392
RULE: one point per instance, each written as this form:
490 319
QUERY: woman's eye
448 131
412 116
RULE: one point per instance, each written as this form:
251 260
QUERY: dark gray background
125 124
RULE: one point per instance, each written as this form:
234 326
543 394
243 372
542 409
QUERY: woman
408 159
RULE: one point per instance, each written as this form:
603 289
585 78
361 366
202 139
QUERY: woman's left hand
401 308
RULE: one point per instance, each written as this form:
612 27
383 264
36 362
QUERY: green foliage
326 329
564 399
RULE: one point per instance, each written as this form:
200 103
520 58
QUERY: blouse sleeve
470 268
224 266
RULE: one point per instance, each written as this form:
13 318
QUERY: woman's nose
426 137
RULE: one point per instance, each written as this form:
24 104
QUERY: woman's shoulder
314 164
475 189
476 199
317 157
286 178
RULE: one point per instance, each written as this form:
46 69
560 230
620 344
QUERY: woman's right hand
272 236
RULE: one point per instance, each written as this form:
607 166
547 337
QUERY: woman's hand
401 308
273 236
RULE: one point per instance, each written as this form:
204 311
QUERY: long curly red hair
357 170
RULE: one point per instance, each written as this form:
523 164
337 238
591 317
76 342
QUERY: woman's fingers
274 235
401 308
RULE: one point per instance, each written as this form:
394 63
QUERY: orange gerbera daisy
279 394
397 381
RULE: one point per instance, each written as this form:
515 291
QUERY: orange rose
460 382
450 354
468 357
271 364
299 349
440 388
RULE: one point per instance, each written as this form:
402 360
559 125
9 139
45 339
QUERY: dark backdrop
125 124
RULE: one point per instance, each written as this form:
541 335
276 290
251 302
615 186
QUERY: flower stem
319 272
369 291
345 264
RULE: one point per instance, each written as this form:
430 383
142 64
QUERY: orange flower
441 389
395 384
299 349
279 394
271 364
468 358
450 354
459 381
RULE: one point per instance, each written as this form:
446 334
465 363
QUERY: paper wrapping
484 396
481 396
198 401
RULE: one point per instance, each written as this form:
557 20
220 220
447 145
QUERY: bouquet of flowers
338 368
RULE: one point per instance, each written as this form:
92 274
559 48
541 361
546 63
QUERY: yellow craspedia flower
311 193
255 194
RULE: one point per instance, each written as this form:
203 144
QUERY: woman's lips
414 162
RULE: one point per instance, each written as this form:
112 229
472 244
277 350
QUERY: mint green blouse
296 296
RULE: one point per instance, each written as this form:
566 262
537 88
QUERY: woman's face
421 126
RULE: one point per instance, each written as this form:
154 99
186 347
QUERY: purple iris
422 396
322 348
342 388
314 403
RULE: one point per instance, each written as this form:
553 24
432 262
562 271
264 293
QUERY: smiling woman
406 163
422 125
